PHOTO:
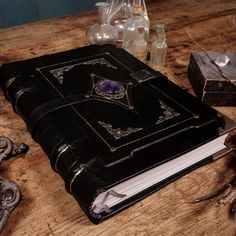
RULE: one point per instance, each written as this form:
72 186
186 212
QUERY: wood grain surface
46 207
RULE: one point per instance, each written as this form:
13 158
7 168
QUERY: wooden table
46 208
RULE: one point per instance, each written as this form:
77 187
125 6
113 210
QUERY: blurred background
16 12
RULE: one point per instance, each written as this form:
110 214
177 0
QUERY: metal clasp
142 76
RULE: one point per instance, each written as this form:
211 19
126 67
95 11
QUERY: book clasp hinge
142 76
222 153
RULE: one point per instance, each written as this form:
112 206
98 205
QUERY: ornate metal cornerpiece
168 112
58 73
101 61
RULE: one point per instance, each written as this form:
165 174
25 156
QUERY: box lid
214 82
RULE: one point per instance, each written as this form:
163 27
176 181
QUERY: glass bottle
102 32
140 45
120 11
158 49
133 24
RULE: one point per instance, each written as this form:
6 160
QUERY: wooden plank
47 209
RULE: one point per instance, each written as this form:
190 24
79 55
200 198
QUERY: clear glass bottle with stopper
120 11
102 32
133 24
158 49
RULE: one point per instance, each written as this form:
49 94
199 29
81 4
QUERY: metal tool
10 194
226 194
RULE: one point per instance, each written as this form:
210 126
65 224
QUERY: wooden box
207 82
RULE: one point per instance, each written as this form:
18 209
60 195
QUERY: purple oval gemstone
109 86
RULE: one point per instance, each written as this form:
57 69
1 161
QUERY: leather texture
97 137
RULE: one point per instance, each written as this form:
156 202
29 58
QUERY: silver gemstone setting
110 89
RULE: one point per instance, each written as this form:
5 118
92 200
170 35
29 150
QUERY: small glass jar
158 49
103 32
140 45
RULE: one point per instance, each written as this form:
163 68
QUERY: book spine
69 154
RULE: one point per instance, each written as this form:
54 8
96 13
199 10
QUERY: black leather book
113 128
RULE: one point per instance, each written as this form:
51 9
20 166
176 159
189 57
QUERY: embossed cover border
83 60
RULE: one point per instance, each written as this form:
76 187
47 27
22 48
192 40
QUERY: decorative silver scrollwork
105 93
168 113
9 191
118 133
58 73
100 61
115 91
